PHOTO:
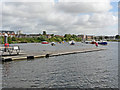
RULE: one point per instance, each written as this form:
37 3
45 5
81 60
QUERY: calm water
82 70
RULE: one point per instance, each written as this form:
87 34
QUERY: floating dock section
23 56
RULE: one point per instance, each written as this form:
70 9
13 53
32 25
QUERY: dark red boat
93 42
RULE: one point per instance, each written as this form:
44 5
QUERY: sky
91 17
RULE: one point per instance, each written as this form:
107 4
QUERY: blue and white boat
53 43
72 42
103 43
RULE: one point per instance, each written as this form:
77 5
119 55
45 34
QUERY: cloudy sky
95 17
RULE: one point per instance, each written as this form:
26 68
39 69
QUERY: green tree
13 39
78 39
100 37
44 32
106 37
74 36
52 35
1 39
68 37
117 37
9 40
58 39
42 38
95 38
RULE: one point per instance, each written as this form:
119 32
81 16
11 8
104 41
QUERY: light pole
5 40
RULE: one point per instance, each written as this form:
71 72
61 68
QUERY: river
82 70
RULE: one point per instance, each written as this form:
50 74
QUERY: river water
82 70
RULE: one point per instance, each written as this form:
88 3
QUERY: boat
45 42
53 43
102 42
87 42
93 42
72 42
63 42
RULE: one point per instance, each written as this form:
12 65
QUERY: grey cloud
84 7
57 18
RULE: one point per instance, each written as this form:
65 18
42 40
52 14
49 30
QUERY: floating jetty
25 56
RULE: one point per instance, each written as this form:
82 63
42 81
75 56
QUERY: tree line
53 38
42 37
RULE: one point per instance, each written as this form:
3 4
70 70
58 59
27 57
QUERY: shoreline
50 42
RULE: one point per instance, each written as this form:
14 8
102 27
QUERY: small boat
53 43
63 42
102 42
72 42
87 42
93 42
45 42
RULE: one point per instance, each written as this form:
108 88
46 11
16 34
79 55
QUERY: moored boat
87 42
45 42
103 43
53 43
72 42
93 42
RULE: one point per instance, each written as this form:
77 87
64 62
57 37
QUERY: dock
26 56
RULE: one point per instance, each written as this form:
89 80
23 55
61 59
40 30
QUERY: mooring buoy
47 55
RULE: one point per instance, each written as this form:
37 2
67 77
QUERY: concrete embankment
25 56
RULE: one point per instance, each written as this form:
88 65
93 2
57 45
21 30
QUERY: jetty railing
10 50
